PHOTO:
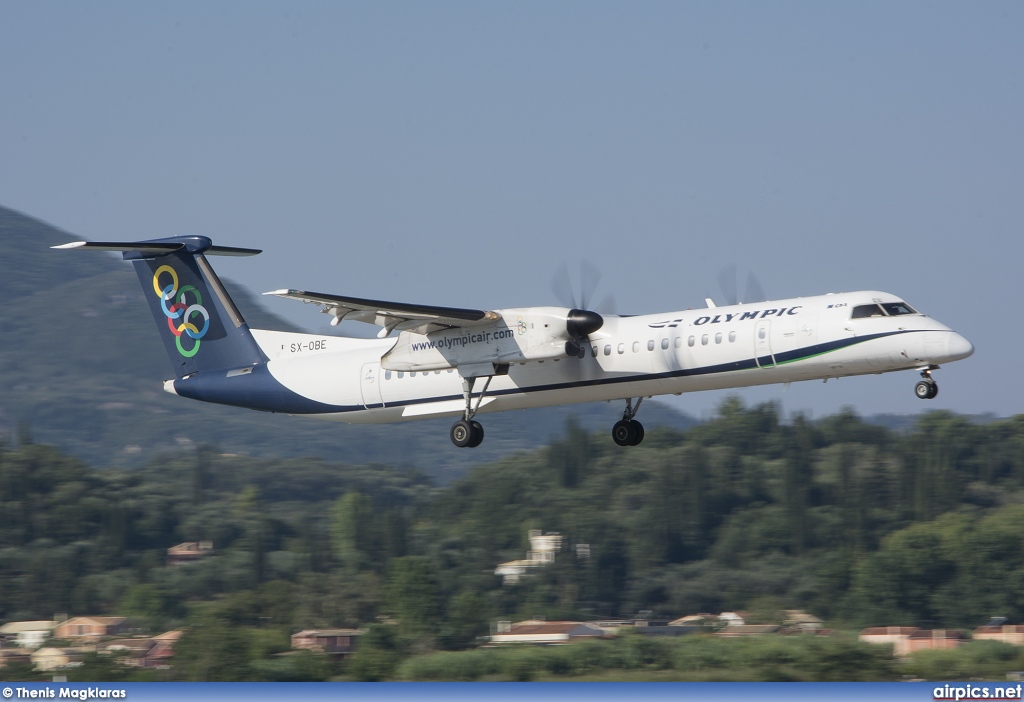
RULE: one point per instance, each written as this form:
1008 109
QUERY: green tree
378 654
147 602
413 595
570 456
352 529
249 510
797 485
212 651
467 619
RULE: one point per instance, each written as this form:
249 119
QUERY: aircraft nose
958 347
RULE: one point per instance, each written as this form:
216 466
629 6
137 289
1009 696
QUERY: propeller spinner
580 322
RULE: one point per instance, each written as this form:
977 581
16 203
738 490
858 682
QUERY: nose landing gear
927 388
627 431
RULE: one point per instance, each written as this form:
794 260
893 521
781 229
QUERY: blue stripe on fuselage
260 390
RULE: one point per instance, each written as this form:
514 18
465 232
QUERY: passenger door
369 385
763 344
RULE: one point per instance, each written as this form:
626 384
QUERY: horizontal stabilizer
160 247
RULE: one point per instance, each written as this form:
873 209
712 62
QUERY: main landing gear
926 389
627 431
467 432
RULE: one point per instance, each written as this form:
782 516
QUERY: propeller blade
727 282
754 292
562 287
607 306
590 276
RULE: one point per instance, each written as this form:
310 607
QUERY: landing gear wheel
462 433
926 389
476 434
467 434
624 433
638 431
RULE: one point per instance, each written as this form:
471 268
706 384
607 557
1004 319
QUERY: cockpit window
885 309
861 311
897 308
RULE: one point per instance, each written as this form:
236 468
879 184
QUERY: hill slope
82 366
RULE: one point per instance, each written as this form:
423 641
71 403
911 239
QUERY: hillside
858 525
81 366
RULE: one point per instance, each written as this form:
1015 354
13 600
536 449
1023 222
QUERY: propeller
581 321
727 281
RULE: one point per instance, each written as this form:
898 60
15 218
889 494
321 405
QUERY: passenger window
718 338
862 311
691 341
636 346
401 374
607 349
594 349
732 336
664 344
678 342
387 375
412 374
622 348
650 345
760 333
704 340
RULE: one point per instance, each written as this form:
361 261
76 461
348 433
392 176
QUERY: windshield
861 311
897 308
885 309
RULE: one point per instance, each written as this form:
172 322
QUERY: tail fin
200 326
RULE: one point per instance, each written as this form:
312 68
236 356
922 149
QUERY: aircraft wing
391 315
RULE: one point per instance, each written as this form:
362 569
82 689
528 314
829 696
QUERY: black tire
934 392
477 434
462 433
924 390
623 433
638 431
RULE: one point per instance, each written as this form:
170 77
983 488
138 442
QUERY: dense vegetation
856 523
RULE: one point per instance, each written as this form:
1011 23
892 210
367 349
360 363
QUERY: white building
543 548
536 631
28 634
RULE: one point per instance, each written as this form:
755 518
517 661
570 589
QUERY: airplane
430 362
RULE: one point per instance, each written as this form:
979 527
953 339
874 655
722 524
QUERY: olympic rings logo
180 315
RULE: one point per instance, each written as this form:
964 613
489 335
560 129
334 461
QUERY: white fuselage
701 349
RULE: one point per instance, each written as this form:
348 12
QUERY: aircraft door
369 385
763 344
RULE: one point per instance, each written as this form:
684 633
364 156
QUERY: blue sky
456 153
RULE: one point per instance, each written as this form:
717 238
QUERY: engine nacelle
521 335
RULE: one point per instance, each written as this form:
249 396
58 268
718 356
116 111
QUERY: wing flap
391 315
